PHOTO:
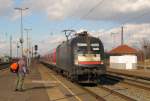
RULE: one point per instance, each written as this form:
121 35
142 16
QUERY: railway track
4 66
110 92
130 88
116 93
128 76
113 94
133 82
97 96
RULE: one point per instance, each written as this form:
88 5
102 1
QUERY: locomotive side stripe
89 62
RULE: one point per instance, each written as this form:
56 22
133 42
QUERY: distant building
123 50
123 57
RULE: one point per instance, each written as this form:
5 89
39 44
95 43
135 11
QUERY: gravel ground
108 96
131 91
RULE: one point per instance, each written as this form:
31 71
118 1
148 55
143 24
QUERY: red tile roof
123 49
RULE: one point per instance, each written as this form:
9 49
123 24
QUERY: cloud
5 48
135 12
7 9
133 35
5 6
116 10
137 33
50 43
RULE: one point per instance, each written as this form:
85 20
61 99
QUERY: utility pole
32 52
122 40
30 49
17 48
10 46
21 27
145 51
28 57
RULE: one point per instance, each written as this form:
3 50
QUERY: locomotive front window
83 48
81 44
95 45
95 48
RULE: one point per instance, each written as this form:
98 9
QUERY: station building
123 57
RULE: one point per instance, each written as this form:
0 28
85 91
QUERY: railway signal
36 47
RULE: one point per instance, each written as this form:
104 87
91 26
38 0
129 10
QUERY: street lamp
21 26
28 48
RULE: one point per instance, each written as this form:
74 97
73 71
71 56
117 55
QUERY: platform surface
40 85
32 91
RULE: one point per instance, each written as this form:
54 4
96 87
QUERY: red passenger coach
54 57
50 57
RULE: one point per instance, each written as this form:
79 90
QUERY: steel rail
133 82
117 93
99 98
4 66
139 84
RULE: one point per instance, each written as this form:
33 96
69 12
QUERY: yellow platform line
45 76
66 87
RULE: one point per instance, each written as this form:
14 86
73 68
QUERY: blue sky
52 16
41 25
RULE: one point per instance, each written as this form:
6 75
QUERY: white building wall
123 62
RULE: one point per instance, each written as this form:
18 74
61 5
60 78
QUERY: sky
48 18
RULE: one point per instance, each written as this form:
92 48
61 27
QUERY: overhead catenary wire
122 24
98 5
126 21
90 11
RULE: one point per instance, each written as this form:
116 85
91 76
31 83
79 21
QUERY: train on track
81 59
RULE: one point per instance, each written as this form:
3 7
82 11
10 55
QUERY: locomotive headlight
102 62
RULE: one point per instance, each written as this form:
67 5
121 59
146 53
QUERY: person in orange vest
21 73
14 67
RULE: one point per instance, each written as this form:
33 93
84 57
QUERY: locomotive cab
88 59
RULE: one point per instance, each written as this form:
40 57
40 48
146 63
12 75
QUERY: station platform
32 91
40 85
141 73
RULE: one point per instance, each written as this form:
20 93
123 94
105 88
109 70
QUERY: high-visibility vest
14 67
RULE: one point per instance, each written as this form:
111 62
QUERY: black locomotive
81 58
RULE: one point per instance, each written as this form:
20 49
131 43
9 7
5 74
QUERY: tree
145 45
